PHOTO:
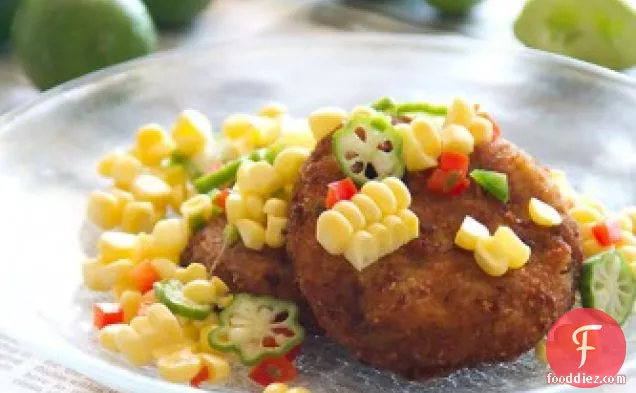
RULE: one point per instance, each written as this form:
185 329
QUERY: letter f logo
583 344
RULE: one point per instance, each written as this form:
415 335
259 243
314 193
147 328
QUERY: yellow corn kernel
170 349
123 197
103 209
628 253
469 233
138 217
258 178
592 247
200 291
133 346
381 195
274 233
382 237
273 110
414 156
411 221
627 239
508 244
235 208
363 111
177 197
276 388
196 210
631 213
362 250
147 332
459 112
624 222
275 207
130 301
221 287
333 232
190 332
143 248
108 336
543 214
112 246
153 145
241 126
224 301
540 352
125 169
481 129
324 121
352 213
151 189
398 230
368 207
299 390
204 342
427 136
300 136
488 259
191 132
456 138
211 319
107 163
174 175
254 204
194 271
593 203
123 282
289 161
252 233
401 192
585 215
218 368
179 367
165 323
169 237
165 268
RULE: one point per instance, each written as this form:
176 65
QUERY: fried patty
428 309
265 272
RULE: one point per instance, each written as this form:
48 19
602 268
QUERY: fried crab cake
428 309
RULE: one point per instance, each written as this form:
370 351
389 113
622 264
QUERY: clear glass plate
568 114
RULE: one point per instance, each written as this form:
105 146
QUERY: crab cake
428 309
264 272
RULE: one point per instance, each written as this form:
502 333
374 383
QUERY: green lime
599 31
453 7
7 9
59 40
173 13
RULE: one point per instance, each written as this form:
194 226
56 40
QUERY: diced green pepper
495 183
170 293
388 105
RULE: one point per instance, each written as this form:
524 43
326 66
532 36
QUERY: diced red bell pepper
144 276
339 191
293 353
451 161
448 182
105 314
272 370
496 131
607 233
221 197
201 377
460 186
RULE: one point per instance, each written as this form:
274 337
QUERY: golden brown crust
428 309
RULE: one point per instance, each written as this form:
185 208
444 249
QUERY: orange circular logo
585 348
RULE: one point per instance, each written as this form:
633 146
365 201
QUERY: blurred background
46 42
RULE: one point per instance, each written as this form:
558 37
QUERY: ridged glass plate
569 114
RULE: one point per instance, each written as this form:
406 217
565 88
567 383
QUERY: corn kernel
324 121
194 271
218 368
197 211
224 301
362 250
368 207
123 281
414 156
363 111
275 207
381 195
543 214
289 161
273 110
123 197
174 175
221 287
107 163
153 145
143 248
540 352
252 233
628 253
165 268
508 244
254 204
108 336
190 332
235 208
333 232
592 247
631 213
299 390
204 342
103 210
427 136
164 322
179 366
200 291
151 189
352 213
125 169
401 192
411 221
399 231
459 112
274 233
276 388
481 129
133 346
138 217
112 246
191 132
488 260
456 138
382 237
130 301
469 233
169 237
258 178
585 215
170 349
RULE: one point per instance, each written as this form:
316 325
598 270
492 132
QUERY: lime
7 9
59 40
599 31
453 7
175 13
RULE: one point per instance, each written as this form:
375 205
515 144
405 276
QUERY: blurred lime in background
598 31
7 9
58 40
453 7
175 13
